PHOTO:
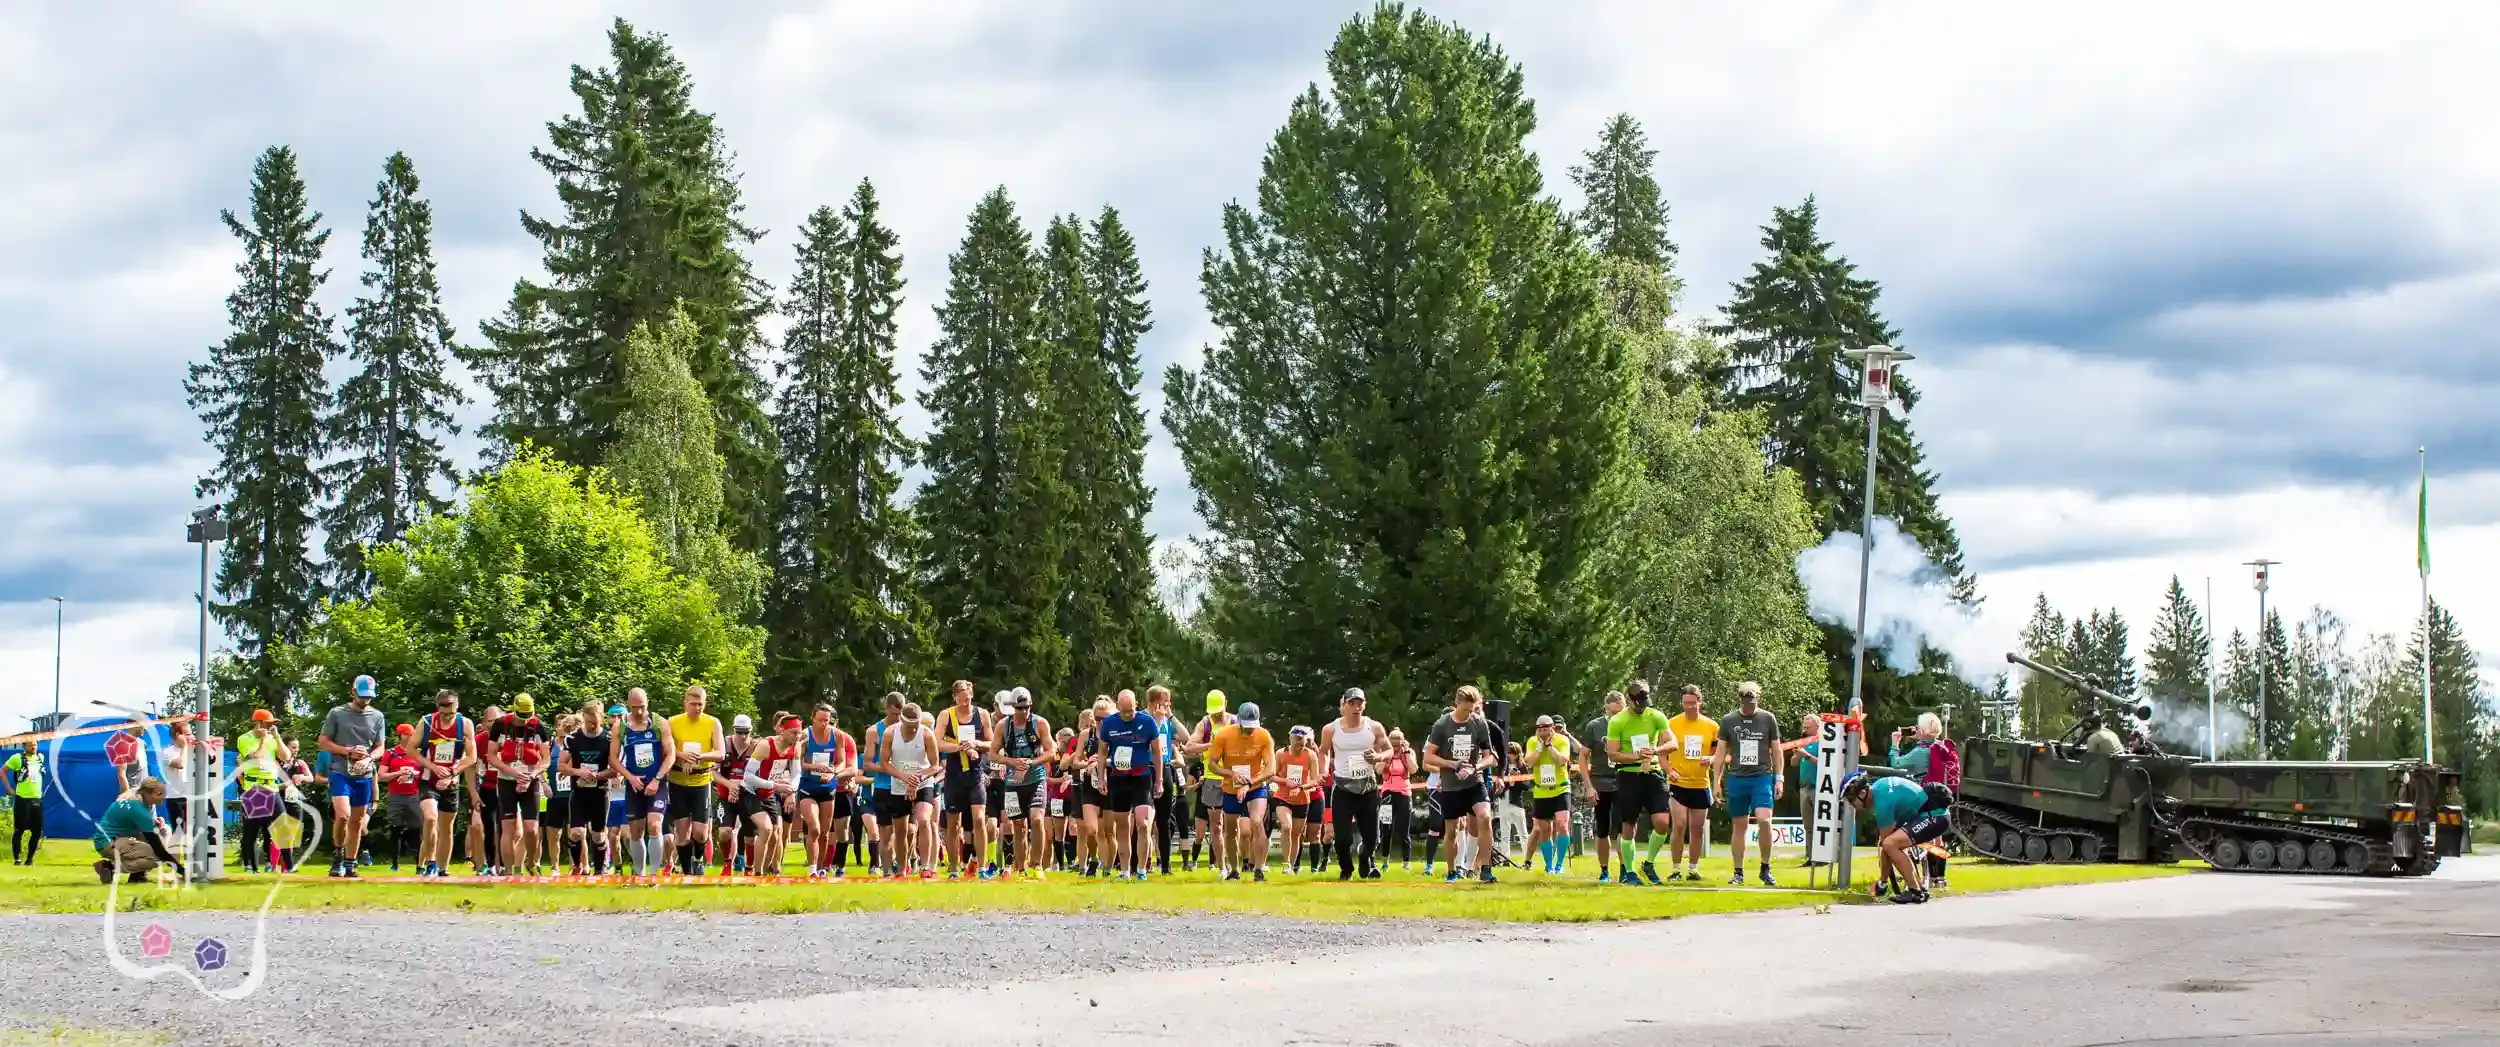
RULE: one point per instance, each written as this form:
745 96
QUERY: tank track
2206 837
2014 841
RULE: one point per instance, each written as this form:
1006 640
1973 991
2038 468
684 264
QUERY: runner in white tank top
1355 745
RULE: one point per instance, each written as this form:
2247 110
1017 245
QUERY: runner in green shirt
1634 738
1548 758
23 775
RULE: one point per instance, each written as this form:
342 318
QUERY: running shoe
1737 880
1259 875
350 872
1139 876
1766 879
1486 875
1344 874
1452 877
1649 872
334 870
1232 874
928 875
1626 878
1908 898
1936 884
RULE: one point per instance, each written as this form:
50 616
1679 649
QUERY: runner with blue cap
352 735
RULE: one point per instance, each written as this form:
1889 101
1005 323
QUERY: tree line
1449 430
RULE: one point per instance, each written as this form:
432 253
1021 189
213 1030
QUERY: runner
994 789
446 748
770 781
1174 785
351 734
1086 786
825 807
1907 815
1635 740
1397 784
1211 824
890 810
1747 758
1597 777
23 774
735 806
586 771
698 744
1692 783
642 753
480 789
1128 760
1247 755
963 735
1021 750
260 760
1461 747
911 761
1062 786
517 750
1297 790
396 771
1354 747
1549 757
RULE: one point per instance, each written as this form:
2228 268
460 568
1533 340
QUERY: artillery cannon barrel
2079 683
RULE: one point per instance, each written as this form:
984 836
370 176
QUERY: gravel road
380 979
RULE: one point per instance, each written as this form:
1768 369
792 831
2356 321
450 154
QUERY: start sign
1836 749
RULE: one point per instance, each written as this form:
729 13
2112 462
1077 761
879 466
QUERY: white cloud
125 654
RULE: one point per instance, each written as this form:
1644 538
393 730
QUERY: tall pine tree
1787 328
393 414
993 503
2177 662
847 623
262 395
1409 442
1093 313
650 224
1714 531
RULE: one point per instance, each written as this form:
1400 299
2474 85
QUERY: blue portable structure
84 782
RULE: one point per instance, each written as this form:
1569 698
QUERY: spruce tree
518 367
2176 665
667 455
992 506
262 395
847 623
2464 726
1787 328
1409 442
393 414
1625 214
2047 705
1093 314
649 224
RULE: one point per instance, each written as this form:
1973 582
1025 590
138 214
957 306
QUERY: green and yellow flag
2422 523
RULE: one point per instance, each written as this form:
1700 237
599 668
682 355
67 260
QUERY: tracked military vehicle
2057 802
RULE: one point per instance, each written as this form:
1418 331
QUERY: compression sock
1467 852
1623 853
1656 843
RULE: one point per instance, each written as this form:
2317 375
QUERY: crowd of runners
969 790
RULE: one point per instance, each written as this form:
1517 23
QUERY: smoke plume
1909 604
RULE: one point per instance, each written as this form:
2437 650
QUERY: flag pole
2422 548
2213 741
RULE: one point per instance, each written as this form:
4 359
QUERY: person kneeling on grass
129 838
1907 816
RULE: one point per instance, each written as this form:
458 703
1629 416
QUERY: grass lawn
65 883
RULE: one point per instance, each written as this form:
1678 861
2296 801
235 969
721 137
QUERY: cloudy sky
2187 285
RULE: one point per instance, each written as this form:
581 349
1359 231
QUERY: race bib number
1692 747
1463 747
1749 751
360 769
446 750
693 747
1639 742
1013 804
563 785
1548 774
642 754
1294 774
821 761
1241 770
616 791
1123 757
1058 807
963 732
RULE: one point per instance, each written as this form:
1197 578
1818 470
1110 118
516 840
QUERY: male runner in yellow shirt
1692 782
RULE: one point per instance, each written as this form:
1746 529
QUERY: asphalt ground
2297 961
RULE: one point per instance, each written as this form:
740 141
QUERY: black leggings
1401 826
1165 827
1358 824
28 815
254 845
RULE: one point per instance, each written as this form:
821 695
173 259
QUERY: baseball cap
1024 698
525 705
263 716
1022 694
407 729
1249 714
742 722
365 687
1545 721
616 710
1006 700
1352 694
1215 701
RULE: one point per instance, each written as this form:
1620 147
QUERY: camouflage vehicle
2056 802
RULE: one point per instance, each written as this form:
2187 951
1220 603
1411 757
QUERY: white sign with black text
1831 746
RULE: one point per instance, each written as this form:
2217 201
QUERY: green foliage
847 622
667 456
262 394
2464 722
1625 215
650 225
391 415
1409 442
2177 660
1787 329
1093 313
993 503
546 581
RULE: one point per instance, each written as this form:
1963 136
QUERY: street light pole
1875 391
2262 565
207 847
57 604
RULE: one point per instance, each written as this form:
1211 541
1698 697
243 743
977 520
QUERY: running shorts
1927 825
1749 793
893 807
689 801
359 791
516 801
1602 820
818 791
767 802
589 809
1128 792
1638 795
639 804
994 797
1240 805
403 809
1549 806
844 807
446 800
1688 798
963 791
1462 801
1314 812
618 812
1029 800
